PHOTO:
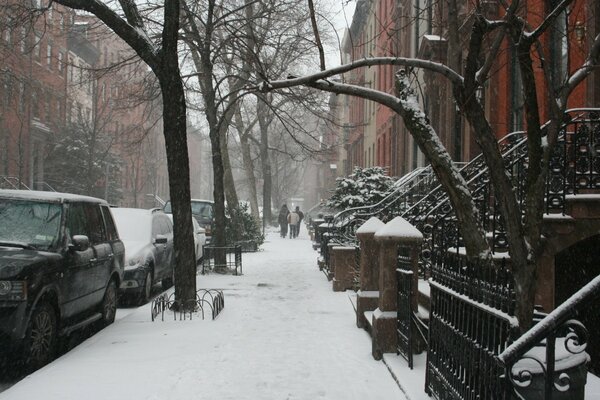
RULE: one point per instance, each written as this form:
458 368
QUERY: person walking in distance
282 219
293 219
300 218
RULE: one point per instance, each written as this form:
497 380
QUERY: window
35 106
60 62
95 224
49 56
37 46
59 110
111 231
23 39
6 34
76 221
22 99
48 107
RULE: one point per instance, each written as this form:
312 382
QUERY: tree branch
442 69
136 38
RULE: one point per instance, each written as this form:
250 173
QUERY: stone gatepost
329 260
344 259
395 234
368 294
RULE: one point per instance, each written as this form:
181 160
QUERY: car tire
109 304
147 288
41 337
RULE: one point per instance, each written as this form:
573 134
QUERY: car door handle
93 260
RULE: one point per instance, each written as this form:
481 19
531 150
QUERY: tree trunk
228 181
248 164
175 133
264 157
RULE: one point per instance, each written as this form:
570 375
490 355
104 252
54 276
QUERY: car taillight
13 290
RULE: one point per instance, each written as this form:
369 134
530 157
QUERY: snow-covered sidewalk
284 334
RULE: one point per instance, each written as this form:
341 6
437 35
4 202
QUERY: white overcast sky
341 12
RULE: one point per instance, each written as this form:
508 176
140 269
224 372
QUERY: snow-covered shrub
363 186
250 229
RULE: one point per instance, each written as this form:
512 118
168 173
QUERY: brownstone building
65 78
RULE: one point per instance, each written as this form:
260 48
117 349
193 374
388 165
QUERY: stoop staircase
465 313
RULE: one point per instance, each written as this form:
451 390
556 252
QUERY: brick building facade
61 71
419 28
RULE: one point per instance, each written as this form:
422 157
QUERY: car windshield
31 223
199 208
204 210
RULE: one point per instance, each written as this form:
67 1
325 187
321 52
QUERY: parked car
61 262
199 238
148 239
203 211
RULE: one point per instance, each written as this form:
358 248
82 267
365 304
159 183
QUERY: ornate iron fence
404 277
527 372
213 299
231 254
472 305
465 337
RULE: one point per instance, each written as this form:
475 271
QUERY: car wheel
40 341
109 304
147 289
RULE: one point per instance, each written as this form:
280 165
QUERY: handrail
552 321
396 187
15 182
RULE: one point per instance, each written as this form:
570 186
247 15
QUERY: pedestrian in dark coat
283 220
301 217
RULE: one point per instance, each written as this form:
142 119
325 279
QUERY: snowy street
283 334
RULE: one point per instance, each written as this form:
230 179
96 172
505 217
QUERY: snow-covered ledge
396 234
367 297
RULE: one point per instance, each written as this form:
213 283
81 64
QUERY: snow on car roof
48 196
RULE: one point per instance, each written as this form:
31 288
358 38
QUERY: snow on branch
442 69
592 62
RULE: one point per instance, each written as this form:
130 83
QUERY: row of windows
45 104
51 58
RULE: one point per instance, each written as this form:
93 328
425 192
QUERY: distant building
62 73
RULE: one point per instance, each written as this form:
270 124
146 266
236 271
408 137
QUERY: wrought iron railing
403 193
12 182
232 256
404 277
522 365
472 304
211 299
465 337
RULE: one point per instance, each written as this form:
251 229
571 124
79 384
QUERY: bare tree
524 233
161 56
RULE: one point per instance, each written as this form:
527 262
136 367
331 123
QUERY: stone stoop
583 206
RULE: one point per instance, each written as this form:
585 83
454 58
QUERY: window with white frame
60 62
36 46
23 39
49 55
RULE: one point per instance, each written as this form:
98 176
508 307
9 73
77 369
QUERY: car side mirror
79 243
160 239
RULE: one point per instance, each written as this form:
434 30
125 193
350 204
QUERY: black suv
61 262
